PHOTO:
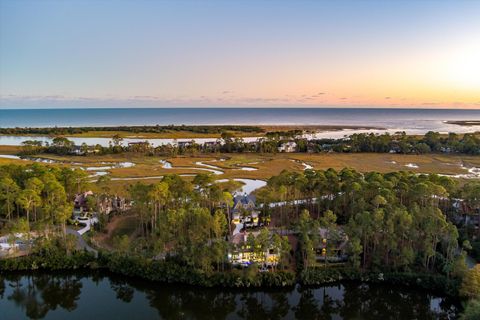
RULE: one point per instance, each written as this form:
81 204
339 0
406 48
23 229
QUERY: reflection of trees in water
389 302
349 301
262 305
309 307
2 287
190 303
123 290
39 294
36 295
177 302
361 301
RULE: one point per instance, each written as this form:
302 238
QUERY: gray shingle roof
243 199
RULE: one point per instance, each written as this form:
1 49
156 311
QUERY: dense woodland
395 222
398 221
131 129
185 220
431 142
39 200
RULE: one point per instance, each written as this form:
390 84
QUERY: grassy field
119 226
168 134
267 165
468 123
270 164
160 135
174 134
9 149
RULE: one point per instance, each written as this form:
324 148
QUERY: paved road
81 243
88 224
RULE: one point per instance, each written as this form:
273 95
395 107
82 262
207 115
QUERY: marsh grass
267 165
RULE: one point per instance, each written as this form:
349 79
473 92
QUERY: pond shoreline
167 272
124 298
103 272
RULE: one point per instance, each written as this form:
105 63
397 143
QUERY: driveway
81 243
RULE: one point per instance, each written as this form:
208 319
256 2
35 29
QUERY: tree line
180 220
431 142
39 199
189 222
132 129
394 221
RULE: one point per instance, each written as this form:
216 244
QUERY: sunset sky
239 53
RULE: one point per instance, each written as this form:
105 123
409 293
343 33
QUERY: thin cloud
60 101
146 97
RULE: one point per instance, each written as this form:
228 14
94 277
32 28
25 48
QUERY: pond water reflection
97 296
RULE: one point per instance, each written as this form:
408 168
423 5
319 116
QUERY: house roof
242 236
243 199
238 238
80 198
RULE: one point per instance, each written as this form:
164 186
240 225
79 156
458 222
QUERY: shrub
434 282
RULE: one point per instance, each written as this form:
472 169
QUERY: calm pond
100 296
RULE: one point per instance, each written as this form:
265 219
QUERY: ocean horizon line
244 107
416 120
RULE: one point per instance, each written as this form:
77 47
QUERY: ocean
402 119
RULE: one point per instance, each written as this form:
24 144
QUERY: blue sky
236 53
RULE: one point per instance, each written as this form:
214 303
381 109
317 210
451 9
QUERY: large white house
244 255
290 146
